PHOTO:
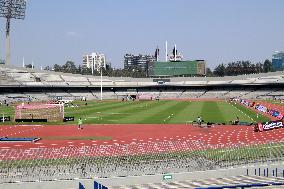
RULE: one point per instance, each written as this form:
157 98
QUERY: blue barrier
11 139
99 186
266 173
96 186
81 186
273 172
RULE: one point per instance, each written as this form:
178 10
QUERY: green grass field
154 112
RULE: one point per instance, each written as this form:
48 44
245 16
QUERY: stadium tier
26 76
38 85
166 138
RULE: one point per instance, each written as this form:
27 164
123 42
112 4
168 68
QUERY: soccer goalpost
51 112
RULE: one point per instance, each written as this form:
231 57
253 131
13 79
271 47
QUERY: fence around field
135 159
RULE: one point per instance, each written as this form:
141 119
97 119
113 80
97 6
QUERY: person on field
237 121
199 120
80 123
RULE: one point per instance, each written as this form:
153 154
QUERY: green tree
259 68
220 70
86 71
69 67
267 66
47 68
57 68
209 73
29 66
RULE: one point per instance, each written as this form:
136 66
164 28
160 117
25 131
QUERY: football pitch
161 112
154 112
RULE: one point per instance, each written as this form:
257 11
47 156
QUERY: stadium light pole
11 9
101 69
101 82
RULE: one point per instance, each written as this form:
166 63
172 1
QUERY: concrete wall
116 181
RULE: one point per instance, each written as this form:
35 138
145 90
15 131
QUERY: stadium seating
213 94
191 93
51 85
47 77
14 76
170 94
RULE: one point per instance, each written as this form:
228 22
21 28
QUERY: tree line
240 68
230 69
70 67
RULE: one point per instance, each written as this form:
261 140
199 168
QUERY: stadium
70 131
186 132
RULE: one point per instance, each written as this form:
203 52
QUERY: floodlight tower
11 9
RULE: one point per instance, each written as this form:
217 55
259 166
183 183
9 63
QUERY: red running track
126 134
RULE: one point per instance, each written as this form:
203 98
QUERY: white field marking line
24 131
92 117
8 127
114 113
169 117
242 112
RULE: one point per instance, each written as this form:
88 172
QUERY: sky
218 31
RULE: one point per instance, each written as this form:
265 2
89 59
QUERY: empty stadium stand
34 85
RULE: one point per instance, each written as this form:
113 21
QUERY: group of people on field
199 121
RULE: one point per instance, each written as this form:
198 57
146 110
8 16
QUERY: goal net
51 112
146 97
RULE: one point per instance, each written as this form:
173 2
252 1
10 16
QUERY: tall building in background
278 61
94 61
140 61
